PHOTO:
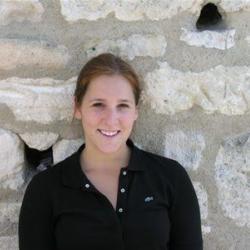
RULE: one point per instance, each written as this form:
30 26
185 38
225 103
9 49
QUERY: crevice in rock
210 18
39 160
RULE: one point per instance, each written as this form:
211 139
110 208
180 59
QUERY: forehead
110 85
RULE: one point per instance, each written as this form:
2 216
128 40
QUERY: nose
111 117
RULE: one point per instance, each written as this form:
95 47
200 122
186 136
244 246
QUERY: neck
92 159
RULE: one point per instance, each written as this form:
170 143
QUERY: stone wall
194 106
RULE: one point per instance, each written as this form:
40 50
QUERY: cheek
128 118
90 118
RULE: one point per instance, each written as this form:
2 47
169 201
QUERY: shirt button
123 190
124 172
120 210
87 185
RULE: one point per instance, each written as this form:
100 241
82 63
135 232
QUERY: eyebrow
99 99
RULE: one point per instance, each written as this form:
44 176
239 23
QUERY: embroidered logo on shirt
149 198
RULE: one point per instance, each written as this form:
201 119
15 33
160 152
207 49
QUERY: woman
110 194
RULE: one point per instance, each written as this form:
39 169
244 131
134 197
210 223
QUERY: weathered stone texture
248 39
42 100
39 140
223 39
203 203
186 148
64 148
232 5
221 89
9 214
133 46
19 11
205 229
9 242
125 10
11 160
202 197
16 53
232 168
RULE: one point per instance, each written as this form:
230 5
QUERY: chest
106 183
86 221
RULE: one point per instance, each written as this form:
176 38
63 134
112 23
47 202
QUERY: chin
110 148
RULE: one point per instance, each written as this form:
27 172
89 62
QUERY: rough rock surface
11 160
64 148
19 11
248 39
125 10
17 53
203 203
133 46
9 242
221 89
202 197
223 39
186 148
39 140
43 100
9 215
232 168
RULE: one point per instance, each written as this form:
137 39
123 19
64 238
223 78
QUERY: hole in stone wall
209 18
39 160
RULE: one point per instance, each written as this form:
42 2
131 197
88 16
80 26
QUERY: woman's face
108 107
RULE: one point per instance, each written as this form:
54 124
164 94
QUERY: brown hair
105 64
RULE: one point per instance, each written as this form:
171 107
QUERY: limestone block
232 5
43 100
64 148
186 148
9 214
132 10
222 40
11 160
20 53
13 181
247 39
203 204
133 46
205 229
202 197
125 10
9 242
221 89
40 140
232 168
19 11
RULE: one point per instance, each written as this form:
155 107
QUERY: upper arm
35 230
185 218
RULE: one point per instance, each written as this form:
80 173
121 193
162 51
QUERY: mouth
109 134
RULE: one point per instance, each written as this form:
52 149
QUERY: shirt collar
73 176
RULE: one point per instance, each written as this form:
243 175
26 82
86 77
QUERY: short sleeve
35 230
185 233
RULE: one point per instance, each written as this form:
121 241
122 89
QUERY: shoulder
162 163
168 170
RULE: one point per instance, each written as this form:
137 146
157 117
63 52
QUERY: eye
124 105
97 104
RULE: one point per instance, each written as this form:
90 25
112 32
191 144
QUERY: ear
77 112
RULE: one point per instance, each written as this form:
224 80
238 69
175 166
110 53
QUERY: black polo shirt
157 208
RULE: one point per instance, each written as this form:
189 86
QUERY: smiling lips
109 133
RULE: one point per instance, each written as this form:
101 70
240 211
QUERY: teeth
108 133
